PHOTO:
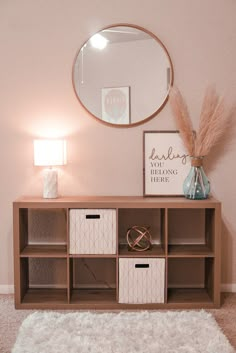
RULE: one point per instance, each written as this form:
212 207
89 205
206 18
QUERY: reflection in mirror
122 75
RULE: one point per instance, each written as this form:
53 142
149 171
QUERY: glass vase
196 186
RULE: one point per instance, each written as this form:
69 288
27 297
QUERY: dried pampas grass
214 120
183 120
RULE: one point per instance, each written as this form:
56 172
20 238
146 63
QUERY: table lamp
49 153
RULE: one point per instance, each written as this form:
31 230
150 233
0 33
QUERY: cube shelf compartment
186 235
189 238
43 281
151 218
92 280
195 282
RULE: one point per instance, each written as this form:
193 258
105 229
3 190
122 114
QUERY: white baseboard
6 289
228 287
9 289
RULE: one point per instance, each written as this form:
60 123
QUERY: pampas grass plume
183 121
214 120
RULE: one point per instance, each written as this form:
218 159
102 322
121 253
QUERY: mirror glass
122 75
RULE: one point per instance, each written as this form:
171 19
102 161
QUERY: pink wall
39 40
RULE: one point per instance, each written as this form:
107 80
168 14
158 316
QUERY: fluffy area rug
124 332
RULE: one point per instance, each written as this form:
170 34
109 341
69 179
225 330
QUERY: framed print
166 163
116 105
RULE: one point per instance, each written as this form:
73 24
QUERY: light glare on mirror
98 41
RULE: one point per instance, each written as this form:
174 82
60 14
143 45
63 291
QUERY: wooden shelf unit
186 233
44 251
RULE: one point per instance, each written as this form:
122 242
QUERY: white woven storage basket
141 280
92 231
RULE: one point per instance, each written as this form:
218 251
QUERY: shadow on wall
225 144
227 253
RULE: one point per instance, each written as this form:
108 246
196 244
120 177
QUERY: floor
10 320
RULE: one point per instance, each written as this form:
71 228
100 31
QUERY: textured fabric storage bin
141 280
92 231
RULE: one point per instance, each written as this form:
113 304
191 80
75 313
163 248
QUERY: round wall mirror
122 75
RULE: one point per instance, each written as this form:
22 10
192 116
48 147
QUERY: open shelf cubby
194 280
184 258
43 282
190 232
93 280
43 232
150 218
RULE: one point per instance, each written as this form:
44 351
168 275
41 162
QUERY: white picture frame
166 163
116 105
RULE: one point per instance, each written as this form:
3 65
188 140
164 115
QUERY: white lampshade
49 152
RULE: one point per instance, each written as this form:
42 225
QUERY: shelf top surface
115 201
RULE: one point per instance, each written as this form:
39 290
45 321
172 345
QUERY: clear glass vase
196 186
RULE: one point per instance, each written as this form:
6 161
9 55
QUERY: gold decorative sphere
139 238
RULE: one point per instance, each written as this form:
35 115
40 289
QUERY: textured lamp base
50 184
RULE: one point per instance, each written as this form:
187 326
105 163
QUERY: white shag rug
124 332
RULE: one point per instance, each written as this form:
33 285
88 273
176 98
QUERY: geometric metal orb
139 238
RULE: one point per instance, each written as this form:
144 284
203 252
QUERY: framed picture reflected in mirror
116 105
